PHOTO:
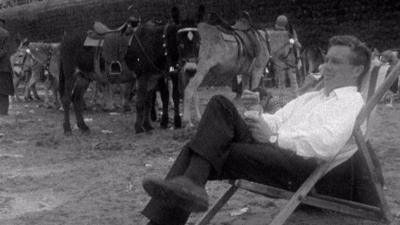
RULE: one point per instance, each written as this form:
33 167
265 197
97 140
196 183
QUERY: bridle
190 36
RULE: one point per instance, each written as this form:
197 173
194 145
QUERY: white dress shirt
319 126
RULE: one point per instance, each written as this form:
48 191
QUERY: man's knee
219 100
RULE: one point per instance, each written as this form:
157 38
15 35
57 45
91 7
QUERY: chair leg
300 194
206 218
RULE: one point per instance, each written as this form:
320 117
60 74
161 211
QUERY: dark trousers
224 140
4 104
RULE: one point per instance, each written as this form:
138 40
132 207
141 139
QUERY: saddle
103 29
96 35
242 32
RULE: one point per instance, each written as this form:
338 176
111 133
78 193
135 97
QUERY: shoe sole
174 196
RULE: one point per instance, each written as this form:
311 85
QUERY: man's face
338 70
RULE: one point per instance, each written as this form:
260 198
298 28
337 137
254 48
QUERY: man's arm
325 133
279 117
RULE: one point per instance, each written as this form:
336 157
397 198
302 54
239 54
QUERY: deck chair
306 194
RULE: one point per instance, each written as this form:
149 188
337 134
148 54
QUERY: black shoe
180 192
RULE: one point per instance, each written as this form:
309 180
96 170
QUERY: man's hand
259 129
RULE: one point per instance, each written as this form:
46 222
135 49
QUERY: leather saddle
241 32
100 29
103 29
96 35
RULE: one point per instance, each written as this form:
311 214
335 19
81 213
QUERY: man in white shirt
280 149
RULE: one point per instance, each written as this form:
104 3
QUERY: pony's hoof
85 131
139 130
164 122
188 125
148 128
177 122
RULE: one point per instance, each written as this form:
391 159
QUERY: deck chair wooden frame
379 213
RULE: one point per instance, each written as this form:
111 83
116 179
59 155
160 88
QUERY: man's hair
2 21
361 54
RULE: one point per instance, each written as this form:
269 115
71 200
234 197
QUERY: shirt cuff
284 140
271 121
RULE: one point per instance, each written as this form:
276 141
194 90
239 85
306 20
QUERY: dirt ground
47 178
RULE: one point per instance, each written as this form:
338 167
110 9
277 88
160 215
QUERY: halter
187 29
190 31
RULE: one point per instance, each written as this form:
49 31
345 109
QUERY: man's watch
273 139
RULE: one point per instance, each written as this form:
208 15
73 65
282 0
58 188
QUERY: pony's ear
25 42
175 14
201 13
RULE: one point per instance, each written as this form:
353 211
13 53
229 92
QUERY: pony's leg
256 74
191 88
68 80
196 101
176 98
121 95
77 98
98 94
34 91
16 81
47 84
116 88
170 91
147 107
142 95
153 110
125 94
35 78
108 97
54 87
164 92
27 92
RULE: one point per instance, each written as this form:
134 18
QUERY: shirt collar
342 91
